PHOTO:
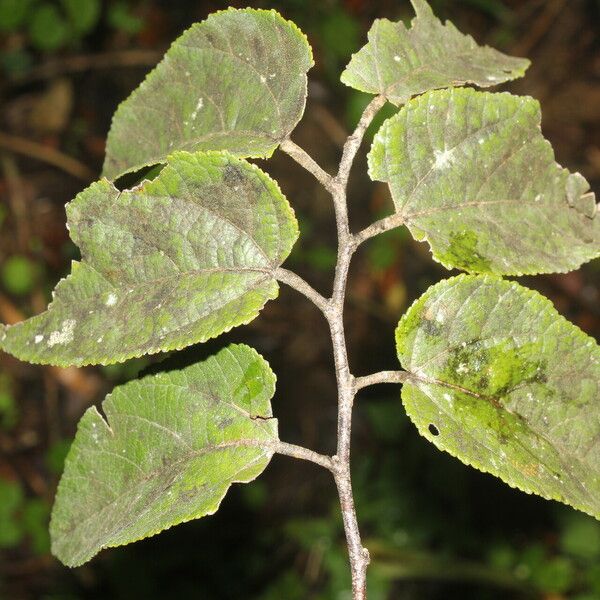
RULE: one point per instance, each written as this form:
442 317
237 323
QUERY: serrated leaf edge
151 74
380 138
139 188
416 378
218 501
421 8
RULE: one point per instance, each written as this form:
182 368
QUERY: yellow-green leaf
399 62
471 173
504 383
171 446
173 262
236 81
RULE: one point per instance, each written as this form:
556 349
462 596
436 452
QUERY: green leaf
11 500
47 28
399 62
504 383
35 517
120 16
18 274
172 262
170 448
83 14
581 537
235 82
13 14
471 173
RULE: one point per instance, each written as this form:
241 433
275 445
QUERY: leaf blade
171 447
507 385
255 100
400 63
173 262
470 172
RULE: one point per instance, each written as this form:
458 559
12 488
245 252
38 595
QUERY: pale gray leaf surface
171 446
173 262
236 81
503 382
400 63
471 173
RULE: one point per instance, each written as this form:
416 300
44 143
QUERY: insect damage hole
433 430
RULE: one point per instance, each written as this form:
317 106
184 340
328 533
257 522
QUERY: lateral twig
304 454
354 141
381 377
308 162
381 226
300 285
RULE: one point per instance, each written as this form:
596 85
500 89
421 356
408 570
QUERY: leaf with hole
237 82
171 446
173 262
504 383
471 173
399 62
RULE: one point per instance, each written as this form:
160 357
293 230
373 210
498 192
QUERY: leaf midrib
499 409
242 443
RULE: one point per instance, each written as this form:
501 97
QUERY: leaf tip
422 9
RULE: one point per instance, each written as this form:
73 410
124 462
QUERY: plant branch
300 285
346 248
381 226
303 454
279 447
359 556
307 162
333 309
354 141
381 377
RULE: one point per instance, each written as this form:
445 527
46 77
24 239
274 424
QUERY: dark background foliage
436 529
